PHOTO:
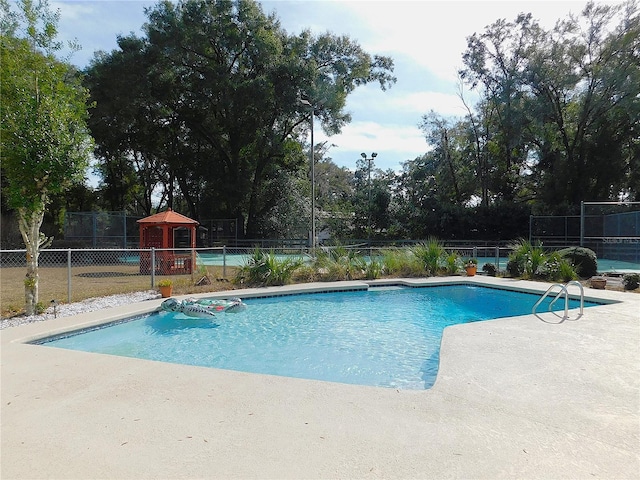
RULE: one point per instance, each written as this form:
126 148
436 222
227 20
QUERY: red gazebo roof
168 217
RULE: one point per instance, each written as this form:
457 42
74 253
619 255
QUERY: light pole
364 156
306 103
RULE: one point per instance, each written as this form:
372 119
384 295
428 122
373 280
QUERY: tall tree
559 108
44 140
451 161
585 78
225 82
495 62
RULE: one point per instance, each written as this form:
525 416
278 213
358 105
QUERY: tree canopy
208 104
203 112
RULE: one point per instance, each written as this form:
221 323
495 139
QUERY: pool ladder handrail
564 291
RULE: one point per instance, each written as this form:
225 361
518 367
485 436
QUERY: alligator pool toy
203 308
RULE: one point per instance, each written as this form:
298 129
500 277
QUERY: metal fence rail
73 275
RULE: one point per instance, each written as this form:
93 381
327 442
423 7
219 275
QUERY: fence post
497 258
69 275
224 261
153 267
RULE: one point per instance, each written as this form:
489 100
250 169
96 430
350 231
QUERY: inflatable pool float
202 308
232 305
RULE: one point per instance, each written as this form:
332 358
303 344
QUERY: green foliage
223 80
44 142
584 259
373 269
547 86
266 269
452 263
490 269
340 263
40 308
305 274
402 262
531 261
631 281
432 254
557 268
525 259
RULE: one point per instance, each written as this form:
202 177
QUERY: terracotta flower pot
471 270
598 283
166 291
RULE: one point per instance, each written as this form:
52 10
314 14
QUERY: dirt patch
55 283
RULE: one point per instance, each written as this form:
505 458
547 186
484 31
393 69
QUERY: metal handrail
564 291
575 282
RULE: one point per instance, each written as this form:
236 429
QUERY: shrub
525 259
40 308
265 269
373 269
452 263
584 260
431 254
557 268
490 269
631 281
340 263
305 274
402 262
515 268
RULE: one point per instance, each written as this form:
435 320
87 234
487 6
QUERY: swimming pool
383 336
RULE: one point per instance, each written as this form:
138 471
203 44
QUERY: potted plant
165 287
598 283
471 267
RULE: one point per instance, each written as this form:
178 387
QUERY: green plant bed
631 281
584 260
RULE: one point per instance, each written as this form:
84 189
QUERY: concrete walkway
523 397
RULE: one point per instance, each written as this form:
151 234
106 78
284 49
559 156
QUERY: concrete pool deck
521 397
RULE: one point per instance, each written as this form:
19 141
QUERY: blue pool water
388 337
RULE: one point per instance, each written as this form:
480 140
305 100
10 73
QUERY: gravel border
88 305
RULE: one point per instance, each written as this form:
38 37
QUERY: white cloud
422 102
434 33
393 143
425 37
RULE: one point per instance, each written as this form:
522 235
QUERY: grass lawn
95 281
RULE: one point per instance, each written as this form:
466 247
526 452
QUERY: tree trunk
29 224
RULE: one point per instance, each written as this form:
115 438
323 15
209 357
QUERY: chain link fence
72 275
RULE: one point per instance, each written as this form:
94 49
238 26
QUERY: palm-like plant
402 262
265 269
340 263
432 254
526 259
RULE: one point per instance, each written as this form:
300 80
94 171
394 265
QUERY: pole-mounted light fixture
306 103
364 156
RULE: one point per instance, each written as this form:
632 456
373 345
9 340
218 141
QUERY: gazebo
168 232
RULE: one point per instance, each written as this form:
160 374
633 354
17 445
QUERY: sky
426 39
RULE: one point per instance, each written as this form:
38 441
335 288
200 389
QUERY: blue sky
425 38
